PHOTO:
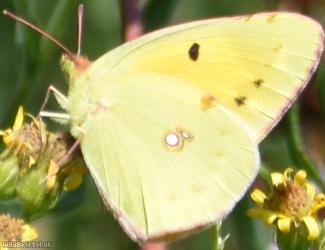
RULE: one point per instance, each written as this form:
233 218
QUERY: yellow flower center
11 229
289 198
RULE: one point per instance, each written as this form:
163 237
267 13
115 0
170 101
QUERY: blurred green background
29 63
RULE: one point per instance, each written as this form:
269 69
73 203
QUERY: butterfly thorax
74 68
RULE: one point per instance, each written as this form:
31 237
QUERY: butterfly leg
60 117
60 98
63 102
68 154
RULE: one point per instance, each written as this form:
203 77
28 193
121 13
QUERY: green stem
245 228
153 246
131 19
296 146
265 174
214 237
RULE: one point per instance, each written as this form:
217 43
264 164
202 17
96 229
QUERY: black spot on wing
193 52
258 82
241 100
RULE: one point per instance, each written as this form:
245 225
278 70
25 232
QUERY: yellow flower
39 164
24 139
292 201
12 229
9 134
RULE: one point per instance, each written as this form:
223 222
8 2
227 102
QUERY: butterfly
169 124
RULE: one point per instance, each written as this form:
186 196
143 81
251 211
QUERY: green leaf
321 88
157 13
59 18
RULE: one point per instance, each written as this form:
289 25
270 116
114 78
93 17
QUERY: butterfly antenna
42 32
80 26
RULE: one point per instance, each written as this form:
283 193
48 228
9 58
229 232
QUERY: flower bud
33 188
9 170
36 163
296 239
33 192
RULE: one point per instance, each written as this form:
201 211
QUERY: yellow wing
164 165
256 65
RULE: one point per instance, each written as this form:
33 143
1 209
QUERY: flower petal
315 207
267 216
286 174
29 233
19 120
73 182
311 224
284 224
270 216
51 175
255 212
320 197
311 190
7 139
258 196
277 178
6 134
300 177
31 161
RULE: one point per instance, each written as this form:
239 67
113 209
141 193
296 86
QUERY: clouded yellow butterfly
169 123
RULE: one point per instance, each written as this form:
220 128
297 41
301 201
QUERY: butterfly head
73 65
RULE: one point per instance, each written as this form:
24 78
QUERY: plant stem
153 246
131 19
297 147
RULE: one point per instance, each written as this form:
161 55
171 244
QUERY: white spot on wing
172 140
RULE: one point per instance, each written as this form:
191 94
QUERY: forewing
256 65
